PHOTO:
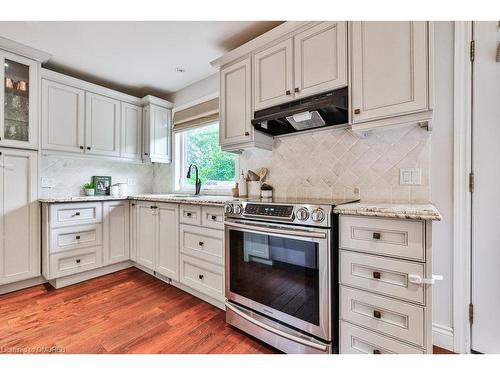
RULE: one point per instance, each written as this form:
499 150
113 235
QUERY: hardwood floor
125 312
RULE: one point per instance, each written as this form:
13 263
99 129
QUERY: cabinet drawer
72 238
202 276
71 262
382 275
68 214
396 238
356 340
190 214
212 217
203 243
384 315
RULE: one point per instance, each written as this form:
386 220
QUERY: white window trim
179 166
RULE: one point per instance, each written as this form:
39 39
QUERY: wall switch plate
131 181
47 182
410 176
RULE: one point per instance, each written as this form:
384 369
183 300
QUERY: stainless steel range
281 272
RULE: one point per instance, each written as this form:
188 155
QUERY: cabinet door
63 126
19 101
116 244
19 216
168 240
160 134
131 131
236 103
273 75
145 234
320 59
102 125
389 69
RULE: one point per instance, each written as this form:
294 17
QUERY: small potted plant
89 188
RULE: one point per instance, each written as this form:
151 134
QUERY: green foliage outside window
202 149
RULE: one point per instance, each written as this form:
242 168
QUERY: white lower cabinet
19 216
383 307
116 235
145 234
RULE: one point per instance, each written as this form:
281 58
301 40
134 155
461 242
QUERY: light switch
410 176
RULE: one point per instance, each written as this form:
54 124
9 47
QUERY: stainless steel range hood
327 109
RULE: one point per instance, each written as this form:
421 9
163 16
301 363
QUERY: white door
236 103
19 216
116 244
389 63
168 240
63 115
131 131
320 59
273 75
19 93
160 134
486 197
102 125
145 234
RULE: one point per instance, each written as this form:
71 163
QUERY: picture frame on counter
102 184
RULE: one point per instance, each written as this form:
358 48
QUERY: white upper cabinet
116 231
131 131
157 122
273 75
102 128
390 63
19 87
63 114
168 240
320 56
19 216
236 103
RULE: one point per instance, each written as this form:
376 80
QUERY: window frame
180 167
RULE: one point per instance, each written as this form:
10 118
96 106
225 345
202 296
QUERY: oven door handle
268 229
312 344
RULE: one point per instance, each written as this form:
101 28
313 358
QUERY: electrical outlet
47 182
410 176
131 181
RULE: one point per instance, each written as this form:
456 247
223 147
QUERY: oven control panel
285 211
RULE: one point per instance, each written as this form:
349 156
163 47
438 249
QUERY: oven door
281 271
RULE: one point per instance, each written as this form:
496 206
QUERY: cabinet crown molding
149 99
24 50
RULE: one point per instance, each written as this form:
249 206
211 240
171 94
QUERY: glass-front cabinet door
19 93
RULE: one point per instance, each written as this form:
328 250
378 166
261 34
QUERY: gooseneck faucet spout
196 179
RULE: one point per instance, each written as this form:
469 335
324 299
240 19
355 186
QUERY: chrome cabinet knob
302 214
228 208
318 215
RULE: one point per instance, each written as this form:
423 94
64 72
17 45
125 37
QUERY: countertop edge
195 201
404 211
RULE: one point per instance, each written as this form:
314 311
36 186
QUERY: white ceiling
135 57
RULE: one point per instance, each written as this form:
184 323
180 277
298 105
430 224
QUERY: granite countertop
425 211
207 200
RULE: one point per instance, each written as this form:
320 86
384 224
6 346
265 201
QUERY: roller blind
199 114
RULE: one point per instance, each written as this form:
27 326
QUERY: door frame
462 197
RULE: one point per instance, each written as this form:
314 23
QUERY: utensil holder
254 189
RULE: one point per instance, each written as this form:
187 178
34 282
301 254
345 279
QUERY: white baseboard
442 336
8 288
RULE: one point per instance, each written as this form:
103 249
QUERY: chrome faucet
196 179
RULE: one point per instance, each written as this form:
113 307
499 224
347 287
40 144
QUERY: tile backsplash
70 174
335 163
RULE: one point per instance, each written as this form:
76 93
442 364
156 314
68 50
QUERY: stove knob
302 214
318 215
238 209
228 208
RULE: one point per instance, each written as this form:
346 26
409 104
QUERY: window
200 146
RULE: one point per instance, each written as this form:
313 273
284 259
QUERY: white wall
196 90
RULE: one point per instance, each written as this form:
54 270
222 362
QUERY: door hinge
472 50
471 182
471 313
